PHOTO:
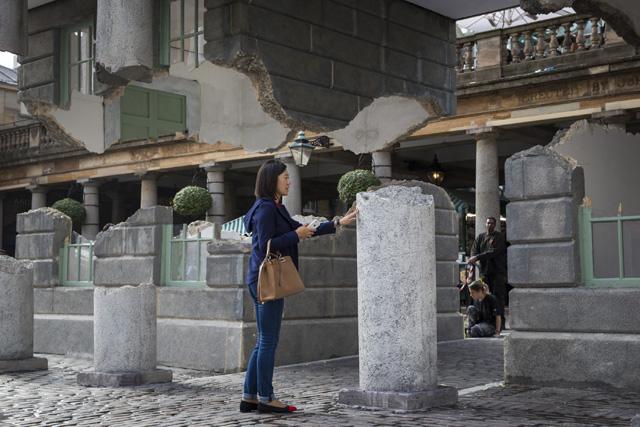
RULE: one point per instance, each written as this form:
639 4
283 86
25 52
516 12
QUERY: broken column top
395 194
41 220
11 265
441 198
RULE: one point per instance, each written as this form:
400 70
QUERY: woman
268 220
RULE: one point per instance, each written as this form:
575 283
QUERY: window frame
165 33
64 96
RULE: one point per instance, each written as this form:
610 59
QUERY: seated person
485 315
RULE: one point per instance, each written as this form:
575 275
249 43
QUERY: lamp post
301 148
436 174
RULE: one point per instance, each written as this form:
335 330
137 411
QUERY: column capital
215 167
143 174
89 182
487 132
285 157
36 188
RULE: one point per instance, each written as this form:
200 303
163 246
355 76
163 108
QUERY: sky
6 59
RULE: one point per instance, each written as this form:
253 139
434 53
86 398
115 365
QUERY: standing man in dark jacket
490 249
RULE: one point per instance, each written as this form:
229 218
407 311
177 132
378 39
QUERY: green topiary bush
354 182
71 208
192 201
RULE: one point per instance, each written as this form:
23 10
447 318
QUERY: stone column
16 312
148 190
381 165
398 348
116 205
124 41
13 27
1 221
91 201
487 178
293 201
38 196
126 273
41 234
215 186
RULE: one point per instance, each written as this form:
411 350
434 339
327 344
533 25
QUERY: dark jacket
491 250
267 221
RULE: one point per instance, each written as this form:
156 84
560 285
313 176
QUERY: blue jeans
258 380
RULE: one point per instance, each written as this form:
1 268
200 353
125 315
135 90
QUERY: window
182 32
147 113
77 61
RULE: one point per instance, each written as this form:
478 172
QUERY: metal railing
76 264
609 249
183 257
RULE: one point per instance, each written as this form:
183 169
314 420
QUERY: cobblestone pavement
52 398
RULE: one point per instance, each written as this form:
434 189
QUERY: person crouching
485 314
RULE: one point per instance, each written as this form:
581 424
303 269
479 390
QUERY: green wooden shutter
147 113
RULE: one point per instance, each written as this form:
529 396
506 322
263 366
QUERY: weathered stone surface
23 365
125 328
16 309
574 359
536 7
124 41
123 379
541 172
341 244
64 300
436 397
201 303
322 272
544 264
227 270
13 27
542 220
597 310
45 273
42 220
38 246
450 326
126 270
395 273
63 334
446 248
151 216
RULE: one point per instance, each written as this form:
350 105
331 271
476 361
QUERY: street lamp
302 147
436 174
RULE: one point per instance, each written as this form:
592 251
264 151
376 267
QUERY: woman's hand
349 218
304 232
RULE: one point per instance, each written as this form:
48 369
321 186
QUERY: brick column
126 273
91 201
216 187
487 178
41 234
38 196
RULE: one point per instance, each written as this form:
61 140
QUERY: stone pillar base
122 379
24 365
410 401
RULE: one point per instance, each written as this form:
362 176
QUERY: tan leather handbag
278 277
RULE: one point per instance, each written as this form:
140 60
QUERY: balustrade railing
21 136
551 38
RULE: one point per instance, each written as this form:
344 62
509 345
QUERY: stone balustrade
532 42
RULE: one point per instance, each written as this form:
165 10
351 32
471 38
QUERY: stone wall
38 77
317 63
563 332
41 234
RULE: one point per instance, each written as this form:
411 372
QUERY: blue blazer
265 220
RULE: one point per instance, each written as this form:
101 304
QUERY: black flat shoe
246 406
265 408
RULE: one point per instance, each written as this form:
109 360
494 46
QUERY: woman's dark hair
267 179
